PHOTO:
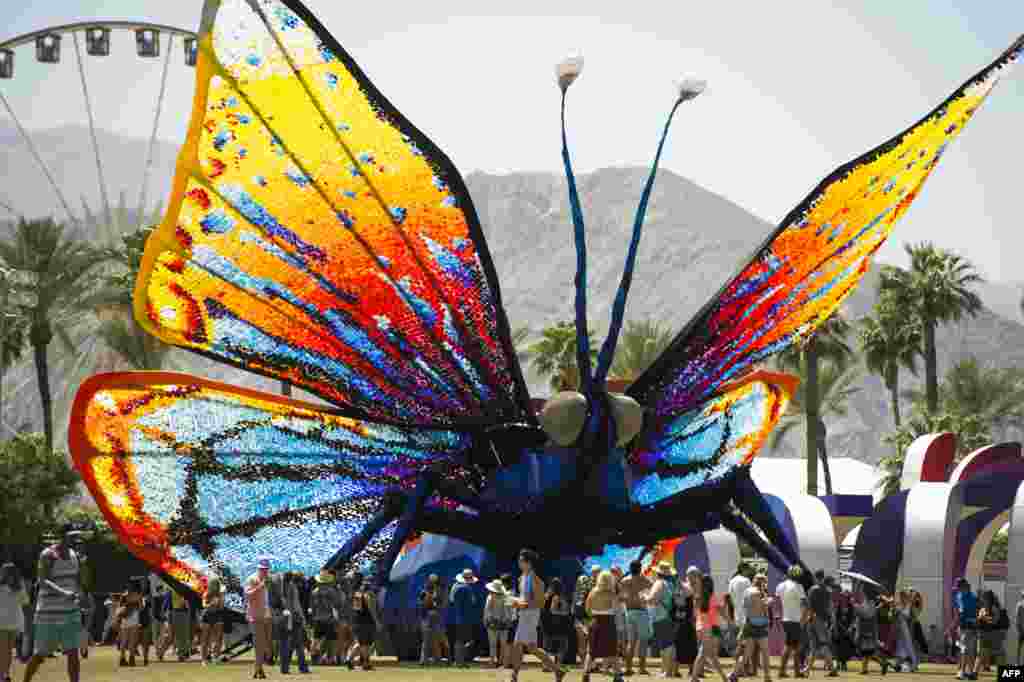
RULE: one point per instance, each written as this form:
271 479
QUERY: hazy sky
795 89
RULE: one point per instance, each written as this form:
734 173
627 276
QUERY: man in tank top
58 615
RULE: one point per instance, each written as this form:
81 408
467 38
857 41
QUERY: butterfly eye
563 417
628 415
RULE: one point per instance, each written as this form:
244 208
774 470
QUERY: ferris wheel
152 41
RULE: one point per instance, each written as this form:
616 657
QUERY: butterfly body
315 236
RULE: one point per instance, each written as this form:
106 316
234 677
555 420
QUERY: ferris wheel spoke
152 137
39 159
92 130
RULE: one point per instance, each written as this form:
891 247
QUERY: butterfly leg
415 502
751 501
357 543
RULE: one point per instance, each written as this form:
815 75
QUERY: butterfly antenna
567 71
688 89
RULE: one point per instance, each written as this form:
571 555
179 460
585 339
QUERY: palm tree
554 356
938 288
61 262
139 349
995 395
640 345
828 343
889 341
836 385
971 433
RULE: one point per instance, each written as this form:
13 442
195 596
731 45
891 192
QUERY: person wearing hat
661 600
465 613
584 584
431 627
495 620
324 606
257 613
965 605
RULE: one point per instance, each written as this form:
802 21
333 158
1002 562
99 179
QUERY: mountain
693 242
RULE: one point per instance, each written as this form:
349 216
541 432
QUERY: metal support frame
92 131
156 123
39 159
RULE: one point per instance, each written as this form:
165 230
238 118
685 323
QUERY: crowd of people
618 619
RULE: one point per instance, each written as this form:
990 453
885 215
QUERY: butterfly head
573 419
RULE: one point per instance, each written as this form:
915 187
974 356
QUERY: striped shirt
53 608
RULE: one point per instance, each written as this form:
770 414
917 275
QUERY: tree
971 433
112 302
827 343
640 345
836 385
61 263
890 342
554 356
34 480
938 288
999 548
993 394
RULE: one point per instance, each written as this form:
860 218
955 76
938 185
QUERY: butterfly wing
316 236
199 478
700 446
811 263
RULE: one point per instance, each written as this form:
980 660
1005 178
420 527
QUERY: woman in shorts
364 623
211 620
709 632
754 635
131 608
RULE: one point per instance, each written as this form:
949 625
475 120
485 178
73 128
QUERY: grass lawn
101 666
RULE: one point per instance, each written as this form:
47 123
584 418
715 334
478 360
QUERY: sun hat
466 577
324 577
693 570
263 563
495 587
665 569
433 578
794 572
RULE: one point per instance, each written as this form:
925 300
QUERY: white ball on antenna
568 70
689 87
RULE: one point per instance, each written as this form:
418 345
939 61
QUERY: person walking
558 625
58 618
660 599
584 584
685 618
793 599
906 653
754 634
528 604
709 632
257 613
345 626
495 620
13 599
822 613
324 607
868 645
601 605
737 591
364 622
638 618
211 621
464 604
993 622
181 624
1019 620
965 607
430 621
292 631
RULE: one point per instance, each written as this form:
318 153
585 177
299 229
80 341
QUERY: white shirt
738 587
792 596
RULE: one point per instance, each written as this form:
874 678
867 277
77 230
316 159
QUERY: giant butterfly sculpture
315 236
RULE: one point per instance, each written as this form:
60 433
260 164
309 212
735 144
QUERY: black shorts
212 616
326 630
794 632
366 633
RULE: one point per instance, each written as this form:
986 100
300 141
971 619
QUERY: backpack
1004 621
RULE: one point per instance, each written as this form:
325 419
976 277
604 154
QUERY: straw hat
466 577
665 569
324 577
495 587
